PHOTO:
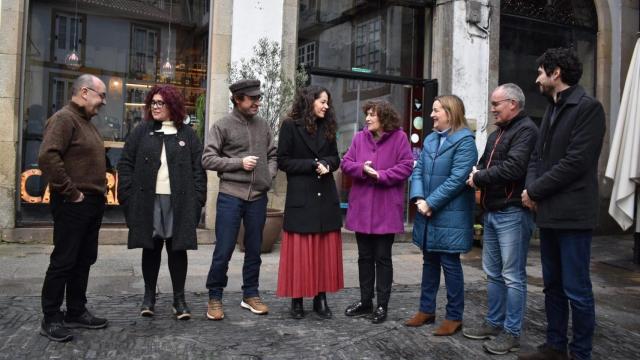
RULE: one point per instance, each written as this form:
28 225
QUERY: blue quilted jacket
439 177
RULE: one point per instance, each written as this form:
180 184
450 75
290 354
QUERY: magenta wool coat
376 207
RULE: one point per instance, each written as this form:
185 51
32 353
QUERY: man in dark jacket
241 149
508 225
562 187
72 158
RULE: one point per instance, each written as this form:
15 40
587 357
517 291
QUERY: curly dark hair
565 59
173 100
302 109
387 115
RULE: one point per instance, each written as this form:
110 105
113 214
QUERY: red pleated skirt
309 264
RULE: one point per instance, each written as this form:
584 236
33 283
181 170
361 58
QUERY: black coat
503 166
312 204
563 172
137 173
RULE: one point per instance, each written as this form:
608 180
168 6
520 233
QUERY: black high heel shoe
297 309
320 306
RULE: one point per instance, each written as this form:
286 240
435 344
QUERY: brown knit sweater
72 155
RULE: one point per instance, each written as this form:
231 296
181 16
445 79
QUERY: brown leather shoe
448 327
420 319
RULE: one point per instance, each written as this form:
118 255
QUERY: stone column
217 88
464 34
11 23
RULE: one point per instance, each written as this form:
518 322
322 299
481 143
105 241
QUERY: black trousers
375 266
177 261
75 249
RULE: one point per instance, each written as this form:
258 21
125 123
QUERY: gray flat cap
249 87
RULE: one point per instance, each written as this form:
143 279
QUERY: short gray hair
513 92
84 80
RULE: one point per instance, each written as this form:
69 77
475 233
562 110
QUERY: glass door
351 90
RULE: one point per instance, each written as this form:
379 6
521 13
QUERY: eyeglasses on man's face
102 95
255 98
157 104
496 103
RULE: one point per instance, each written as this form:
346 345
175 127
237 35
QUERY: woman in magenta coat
379 161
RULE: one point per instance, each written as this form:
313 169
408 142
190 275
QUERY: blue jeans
565 256
504 259
453 279
229 211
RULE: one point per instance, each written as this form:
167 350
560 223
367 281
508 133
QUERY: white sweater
163 186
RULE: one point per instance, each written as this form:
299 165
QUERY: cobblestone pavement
115 290
242 335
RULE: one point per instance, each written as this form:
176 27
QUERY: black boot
148 302
379 314
180 308
320 306
297 309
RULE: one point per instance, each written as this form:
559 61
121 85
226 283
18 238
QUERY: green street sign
361 70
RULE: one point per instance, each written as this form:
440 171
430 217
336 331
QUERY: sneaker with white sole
255 305
214 310
502 344
482 332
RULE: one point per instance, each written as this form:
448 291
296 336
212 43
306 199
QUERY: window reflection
122 42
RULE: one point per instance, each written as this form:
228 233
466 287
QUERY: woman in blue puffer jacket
443 227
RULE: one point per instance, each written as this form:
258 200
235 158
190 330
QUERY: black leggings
177 266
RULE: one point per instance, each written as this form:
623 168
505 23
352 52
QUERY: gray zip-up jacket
232 138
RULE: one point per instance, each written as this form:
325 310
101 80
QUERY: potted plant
277 95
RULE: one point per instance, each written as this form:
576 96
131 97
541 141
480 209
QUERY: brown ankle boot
420 319
448 327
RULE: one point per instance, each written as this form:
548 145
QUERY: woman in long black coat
311 251
162 188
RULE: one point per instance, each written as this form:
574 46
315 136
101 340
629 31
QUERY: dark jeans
453 279
229 211
565 256
177 261
375 266
75 249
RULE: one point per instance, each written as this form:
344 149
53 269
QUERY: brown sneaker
214 310
448 327
255 305
420 319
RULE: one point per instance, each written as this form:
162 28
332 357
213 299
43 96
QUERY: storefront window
383 43
124 43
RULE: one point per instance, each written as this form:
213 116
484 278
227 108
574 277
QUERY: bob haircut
173 101
387 115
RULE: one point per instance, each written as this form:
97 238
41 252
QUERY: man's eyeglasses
255 98
496 103
102 95
159 104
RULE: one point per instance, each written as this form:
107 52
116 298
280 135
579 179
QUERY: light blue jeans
504 258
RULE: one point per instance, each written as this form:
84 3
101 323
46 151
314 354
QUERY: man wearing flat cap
240 148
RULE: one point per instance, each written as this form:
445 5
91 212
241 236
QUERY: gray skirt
162 217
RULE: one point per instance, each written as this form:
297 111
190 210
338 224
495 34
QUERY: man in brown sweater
72 159
241 149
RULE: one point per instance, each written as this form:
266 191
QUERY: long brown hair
302 109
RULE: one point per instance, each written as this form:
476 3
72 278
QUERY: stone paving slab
242 335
